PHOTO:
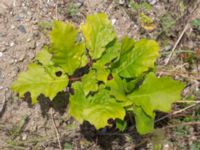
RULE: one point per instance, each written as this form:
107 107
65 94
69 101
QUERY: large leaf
67 52
97 109
144 123
98 33
136 58
39 80
102 108
157 94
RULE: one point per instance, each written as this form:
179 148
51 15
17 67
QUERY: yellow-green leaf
44 57
89 82
144 123
67 52
98 33
38 80
137 59
97 109
117 88
157 94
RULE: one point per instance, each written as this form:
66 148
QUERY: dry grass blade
177 112
56 130
177 42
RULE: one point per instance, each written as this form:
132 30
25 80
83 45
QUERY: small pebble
152 2
18 18
1 54
12 44
2 34
78 4
168 47
1 87
21 58
190 44
28 40
12 26
113 21
22 29
121 2
29 13
3 49
24 137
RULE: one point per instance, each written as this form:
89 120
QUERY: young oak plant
119 76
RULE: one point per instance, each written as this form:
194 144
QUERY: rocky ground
23 32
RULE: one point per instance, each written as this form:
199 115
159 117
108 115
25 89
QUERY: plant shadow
59 103
109 137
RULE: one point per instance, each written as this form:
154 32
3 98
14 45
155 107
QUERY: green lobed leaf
97 109
89 82
39 80
111 53
44 57
102 108
67 52
137 59
117 88
144 123
157 94
120 88
102 65
98 33
78 102
101 72
121 124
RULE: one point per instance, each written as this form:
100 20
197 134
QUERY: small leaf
98 33
38 80
130 85
117 88
146 22
78 102
44 57
137 60
127 45
68 146
121 125
101 72
157 94
67 52
89 82
111 53
196 22
144 123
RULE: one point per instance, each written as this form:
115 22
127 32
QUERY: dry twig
177 42
57 133
177 112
